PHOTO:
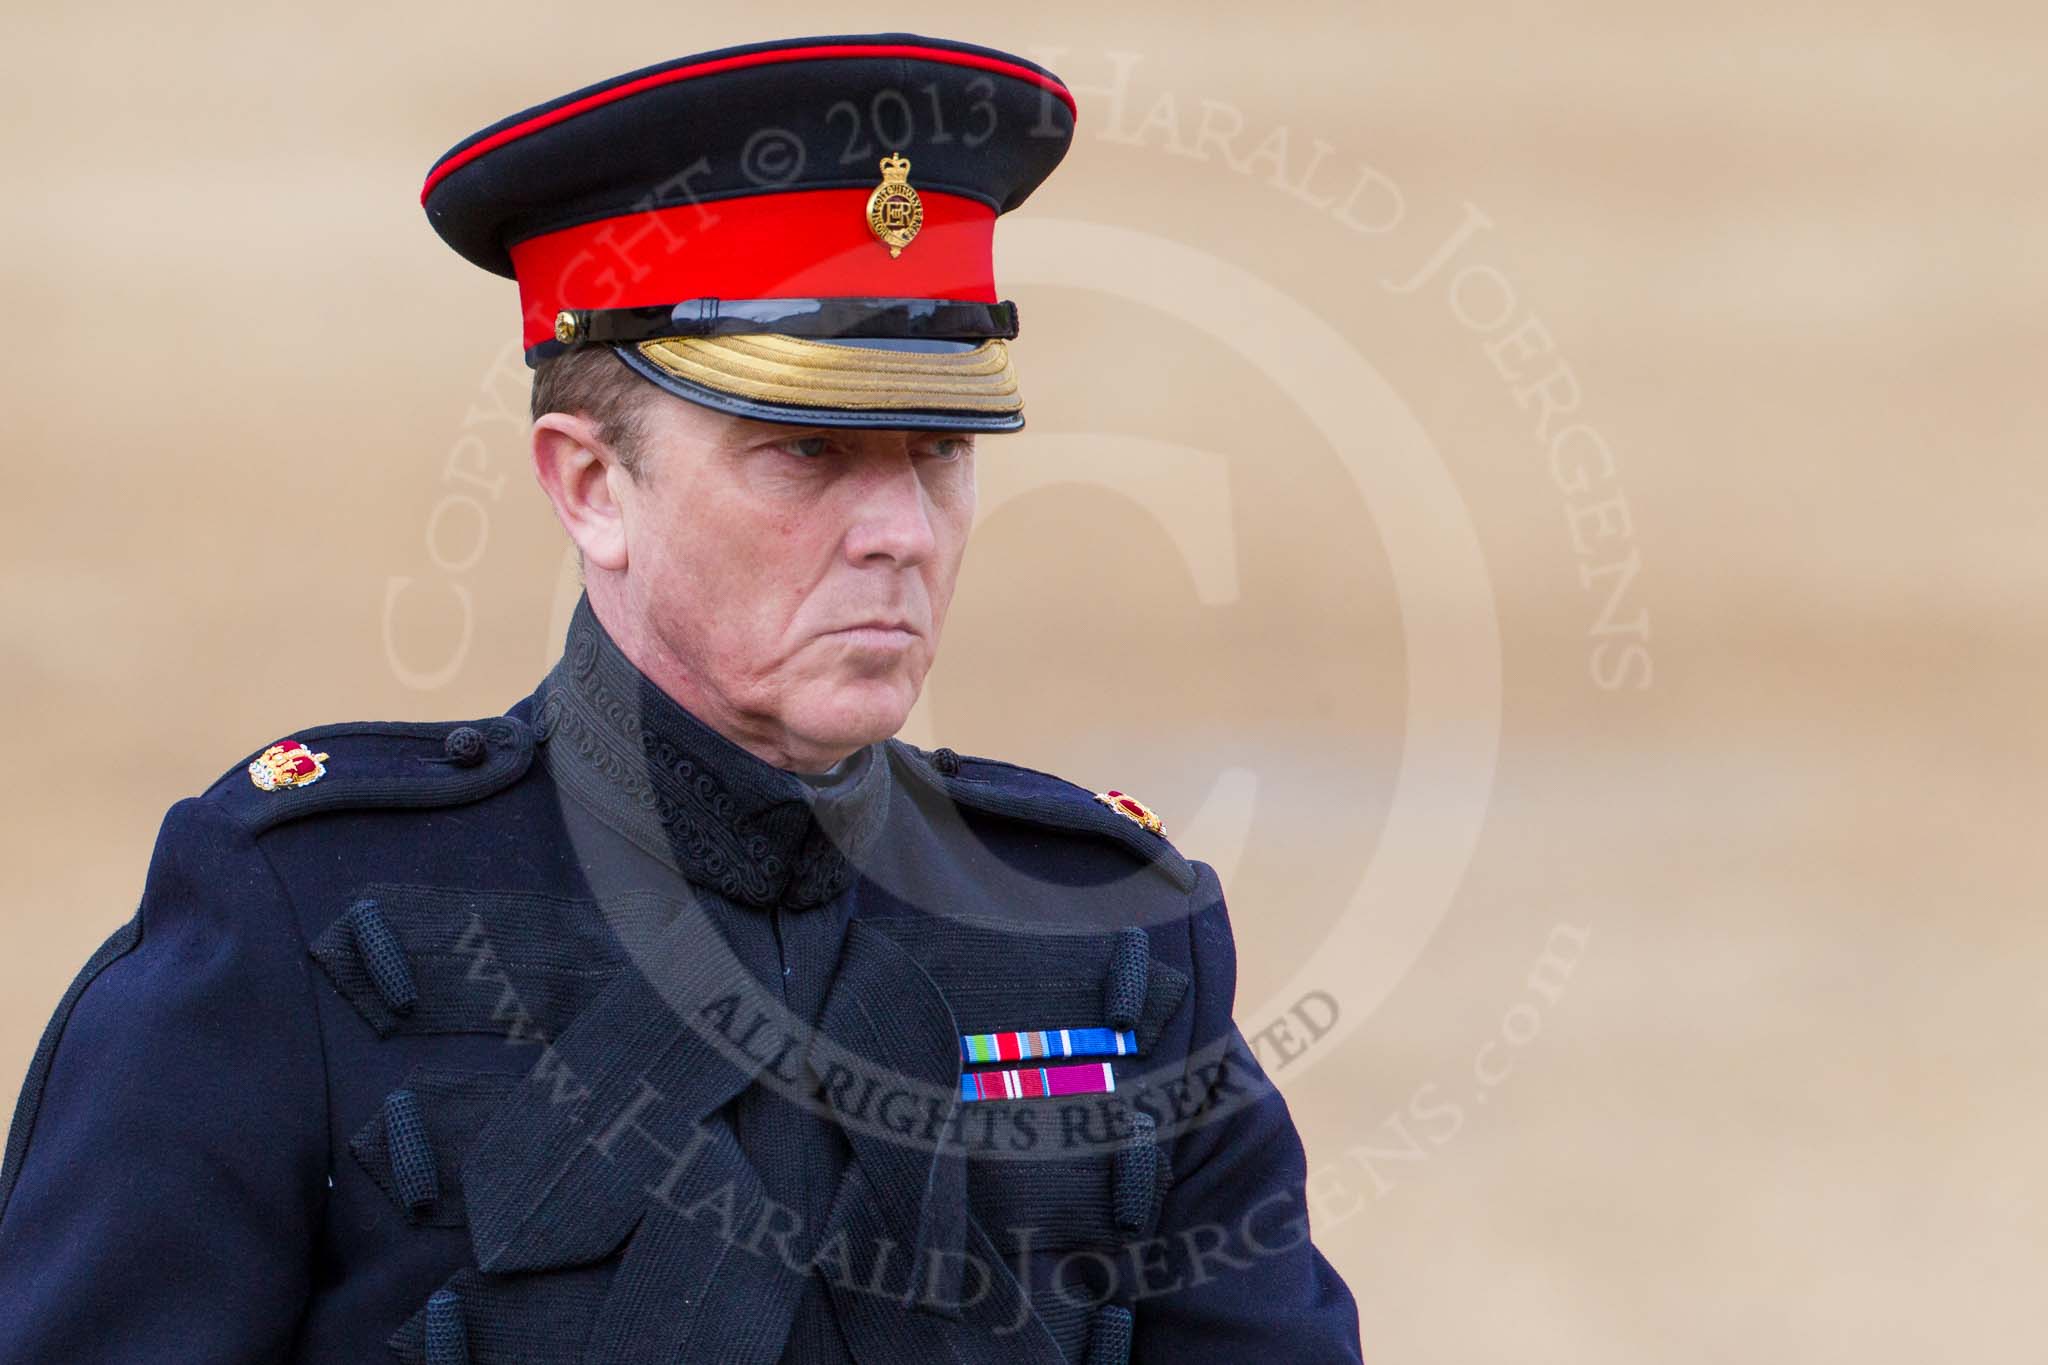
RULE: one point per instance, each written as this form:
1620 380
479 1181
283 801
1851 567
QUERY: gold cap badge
1124 804
287 763
895 213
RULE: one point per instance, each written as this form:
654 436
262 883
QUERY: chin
853 712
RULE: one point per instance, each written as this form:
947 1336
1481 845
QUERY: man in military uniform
680 1013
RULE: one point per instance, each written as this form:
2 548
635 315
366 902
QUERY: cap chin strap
817 319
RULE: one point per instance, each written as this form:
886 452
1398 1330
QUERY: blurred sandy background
1779 1098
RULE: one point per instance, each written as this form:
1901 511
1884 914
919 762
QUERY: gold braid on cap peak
771 368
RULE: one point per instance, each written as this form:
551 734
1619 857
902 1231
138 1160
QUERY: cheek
759 569
685 558
943 569
952 508
701 540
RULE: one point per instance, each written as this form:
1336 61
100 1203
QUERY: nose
891 513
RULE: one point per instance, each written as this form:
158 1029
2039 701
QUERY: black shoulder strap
1039 798
363 764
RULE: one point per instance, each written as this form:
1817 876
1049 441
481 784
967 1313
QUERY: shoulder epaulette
358 765
1041 798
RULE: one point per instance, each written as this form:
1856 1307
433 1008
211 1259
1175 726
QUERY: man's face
792 581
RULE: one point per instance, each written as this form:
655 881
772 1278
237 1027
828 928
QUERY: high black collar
725 819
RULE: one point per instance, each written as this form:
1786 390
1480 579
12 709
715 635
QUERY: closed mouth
877 625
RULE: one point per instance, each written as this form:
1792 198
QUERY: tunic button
946 761
447 1333
383 957
1130 969
1109 1336
1136 1181
465 746
413 1167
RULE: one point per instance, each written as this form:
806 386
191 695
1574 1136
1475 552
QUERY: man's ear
582 477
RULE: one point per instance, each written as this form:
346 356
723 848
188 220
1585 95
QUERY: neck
639 762
760 734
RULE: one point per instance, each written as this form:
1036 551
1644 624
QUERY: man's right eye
810 447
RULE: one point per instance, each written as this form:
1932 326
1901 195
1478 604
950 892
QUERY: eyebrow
753 433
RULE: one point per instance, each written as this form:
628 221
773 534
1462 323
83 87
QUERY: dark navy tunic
580 1034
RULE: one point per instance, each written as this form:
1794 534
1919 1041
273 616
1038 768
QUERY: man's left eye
951 447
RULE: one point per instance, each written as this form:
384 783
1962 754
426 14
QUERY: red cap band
791 244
